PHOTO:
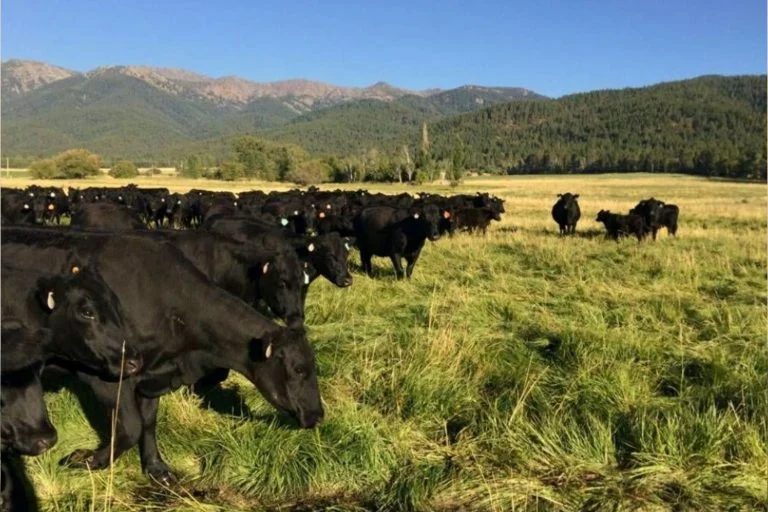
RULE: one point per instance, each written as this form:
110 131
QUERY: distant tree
77 163
193 167
230 171
44 169
252 153
310 172
124 169
458 159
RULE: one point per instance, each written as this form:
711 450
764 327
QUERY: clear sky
552 47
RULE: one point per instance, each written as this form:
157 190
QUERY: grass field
519 371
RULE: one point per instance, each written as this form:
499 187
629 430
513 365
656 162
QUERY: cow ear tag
415 215
311 247
50 302
306 278
321 215
268 351
446 214
346 245
26 206
284 221
51 207
53 194
265 268
295 212
75 269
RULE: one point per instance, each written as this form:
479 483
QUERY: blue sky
552 47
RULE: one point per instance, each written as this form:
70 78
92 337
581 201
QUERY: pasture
516 371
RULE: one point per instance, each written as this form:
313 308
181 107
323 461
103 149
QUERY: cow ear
559 195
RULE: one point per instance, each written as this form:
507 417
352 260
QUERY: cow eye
300 370
87 313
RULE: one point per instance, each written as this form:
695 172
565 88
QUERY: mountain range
144 112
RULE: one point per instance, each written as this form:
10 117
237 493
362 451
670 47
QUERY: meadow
517 371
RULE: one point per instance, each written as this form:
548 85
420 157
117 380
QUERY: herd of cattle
146 291
646 218
133 313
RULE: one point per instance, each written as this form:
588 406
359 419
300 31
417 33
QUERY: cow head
280 281
429 217
650 210
285 372
328 254
86 318
25 427
603 215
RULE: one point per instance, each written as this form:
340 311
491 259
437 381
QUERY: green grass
519 371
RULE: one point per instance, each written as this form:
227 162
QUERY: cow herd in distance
217 269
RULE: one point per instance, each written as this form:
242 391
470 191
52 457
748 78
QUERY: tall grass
519 371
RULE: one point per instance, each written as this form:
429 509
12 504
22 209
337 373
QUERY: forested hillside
708 125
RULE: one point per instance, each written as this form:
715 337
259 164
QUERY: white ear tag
265 268
51 207
346 245
295 212
327 207
50 302
306 278
53 195
119 198
415 215
26 206
284 222
31 194
311 247
268 351
162 199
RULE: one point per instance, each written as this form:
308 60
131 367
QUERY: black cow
17 207
25 428
617 225
82 313
651 211
246 270
324 255
107 216
566 213
186 327
397 233
669 215
475 219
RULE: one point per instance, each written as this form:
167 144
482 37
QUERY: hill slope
143 112
708 124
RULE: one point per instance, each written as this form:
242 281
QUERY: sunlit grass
519 371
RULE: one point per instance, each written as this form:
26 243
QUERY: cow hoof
80 459
162 475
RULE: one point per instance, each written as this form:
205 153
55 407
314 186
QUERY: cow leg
128 426
411 259
398 264
365 260
653 232
152 462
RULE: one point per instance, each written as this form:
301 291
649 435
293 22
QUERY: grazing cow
566 213
474 219
26 428
81 312
651 211
107 216
184 332
324 255
669 215
397 233
617 225
246 270
24 424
